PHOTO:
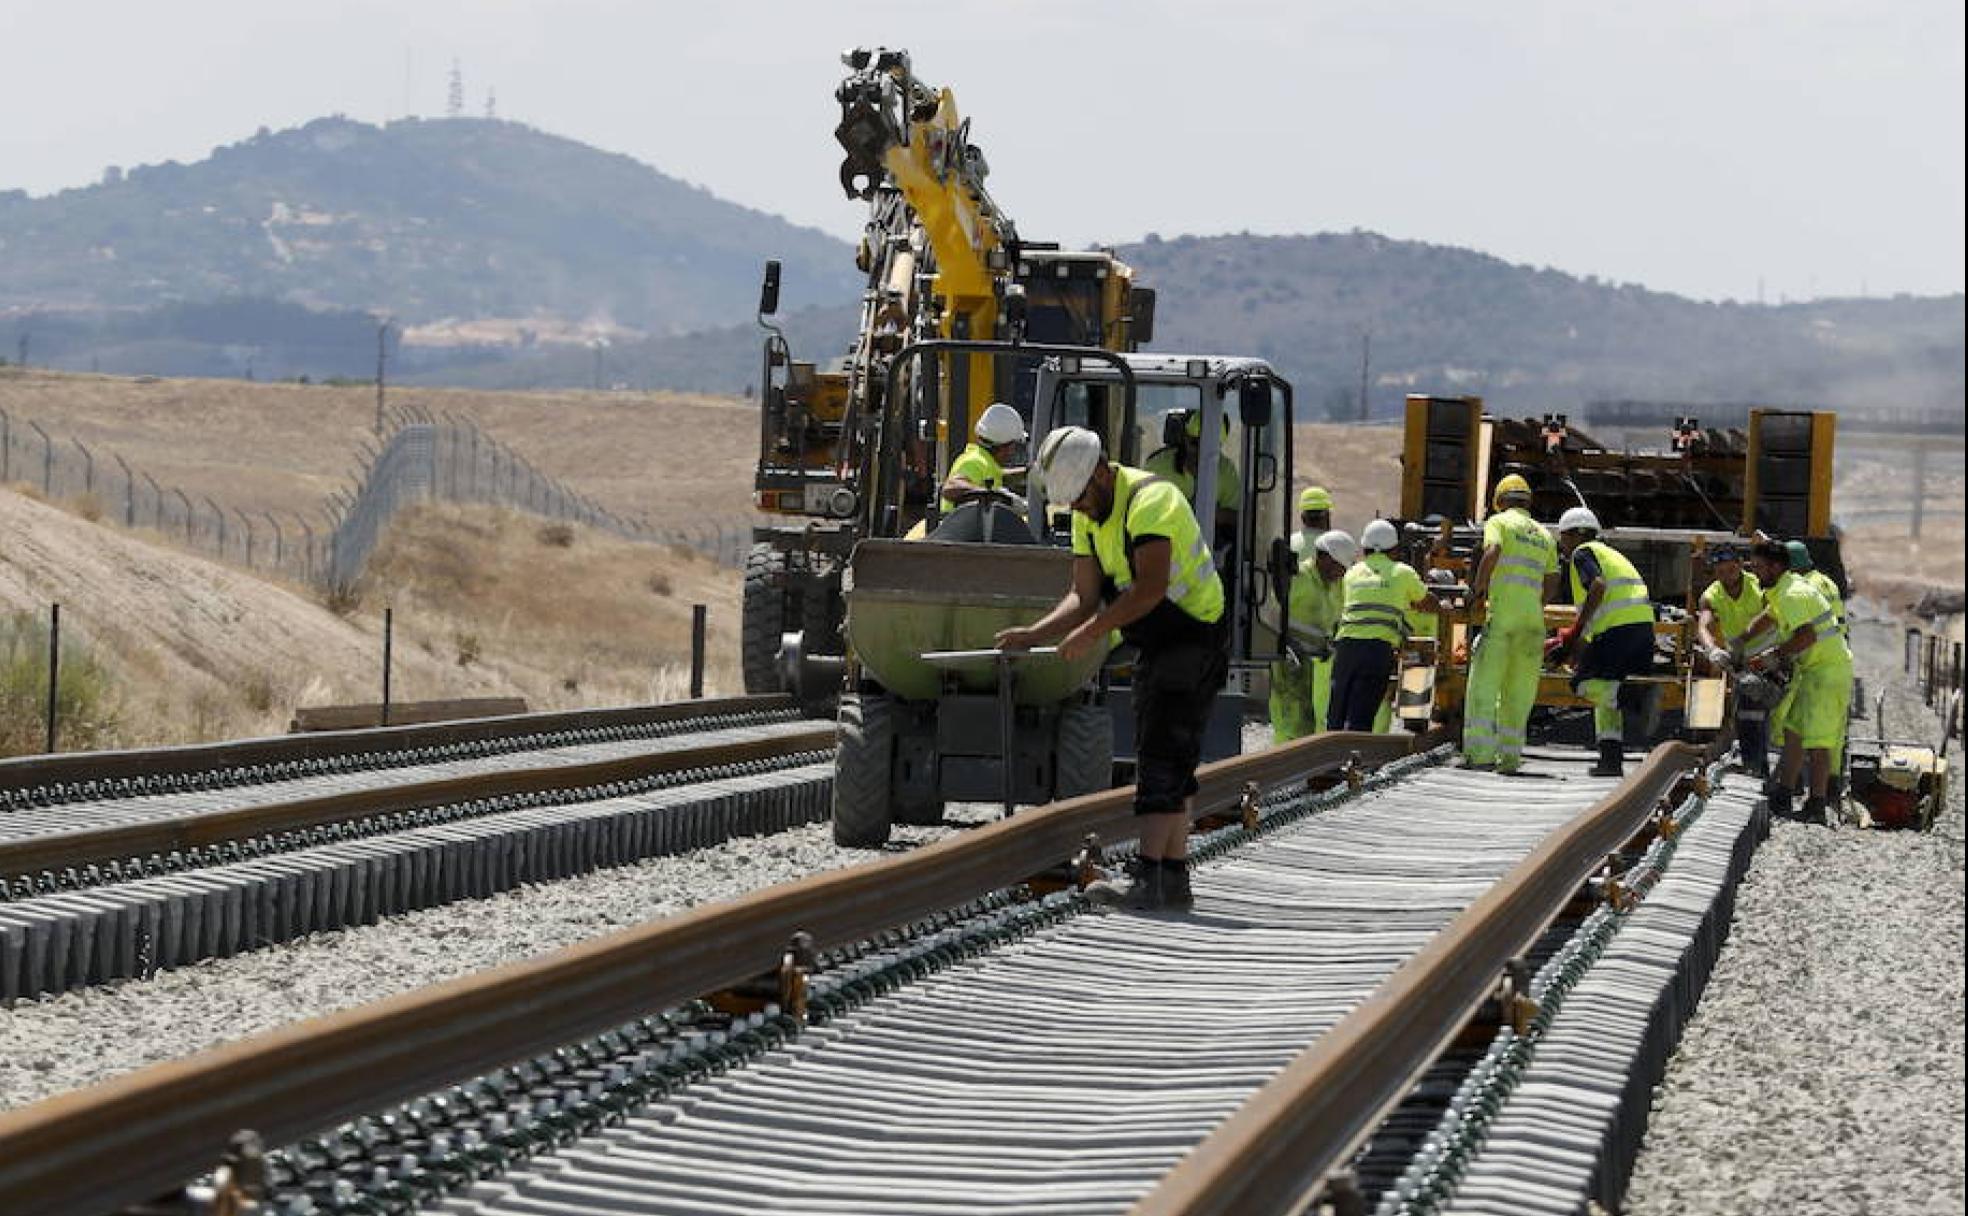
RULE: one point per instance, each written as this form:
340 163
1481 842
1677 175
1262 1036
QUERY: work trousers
1300 693
1504 665
1361 669
1622 651
1175 687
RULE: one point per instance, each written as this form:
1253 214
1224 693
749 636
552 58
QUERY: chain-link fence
424 458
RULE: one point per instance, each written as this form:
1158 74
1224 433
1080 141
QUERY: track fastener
1247 806
1087 867
1354 771
1341 1196
238 1184
794 967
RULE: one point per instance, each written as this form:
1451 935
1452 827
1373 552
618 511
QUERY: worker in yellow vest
1380 591
1301 683
1818 698
1806 569
1315 506
1723 618
1614 625
1517 572
1142 566
1178 464
979 470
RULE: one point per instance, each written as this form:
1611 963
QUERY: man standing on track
1142 565
1516 574
1722 626
1373 626
1616 624
1819 696
1302 691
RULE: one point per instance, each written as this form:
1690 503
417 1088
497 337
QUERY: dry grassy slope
198 650
682 460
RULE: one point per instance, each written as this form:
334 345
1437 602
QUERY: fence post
6 447
279 541
129 492
250 538
47 460
54 669
187 506
389 629
222 525
697 615
88 467
1919 485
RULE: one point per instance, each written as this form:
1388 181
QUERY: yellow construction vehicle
943 261
1661 508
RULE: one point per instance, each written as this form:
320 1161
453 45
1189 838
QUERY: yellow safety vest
1625 601
1145 505
1795 602
1829 589
1734 614
1525 555
977 466
1229 491
1379 591
1315 603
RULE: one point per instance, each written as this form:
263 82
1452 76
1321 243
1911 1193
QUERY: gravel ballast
1823 1071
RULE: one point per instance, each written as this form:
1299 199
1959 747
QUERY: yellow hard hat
1194 426
1512 486
1314 498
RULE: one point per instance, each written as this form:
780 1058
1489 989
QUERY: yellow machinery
1660 508
942 262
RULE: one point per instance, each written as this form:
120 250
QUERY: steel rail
27 772
131 1139
54 850
1284 1143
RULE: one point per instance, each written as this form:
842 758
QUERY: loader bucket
907 598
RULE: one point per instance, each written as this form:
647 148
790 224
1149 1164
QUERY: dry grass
681 459
1361 465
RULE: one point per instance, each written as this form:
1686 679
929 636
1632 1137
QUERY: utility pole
1366 360
22 361
382 352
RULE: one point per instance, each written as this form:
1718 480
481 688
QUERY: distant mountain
425 221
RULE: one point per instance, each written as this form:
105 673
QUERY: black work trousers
1175 687
1360 671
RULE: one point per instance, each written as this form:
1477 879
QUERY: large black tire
863 772
1083 755
764 619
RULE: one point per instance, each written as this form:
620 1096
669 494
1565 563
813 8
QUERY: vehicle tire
1083 754
764 619
863 764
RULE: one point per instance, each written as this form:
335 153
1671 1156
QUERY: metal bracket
1087 867
794 967
238 1184
1665 824
1247 806
1514 996
1354 772
1341 1195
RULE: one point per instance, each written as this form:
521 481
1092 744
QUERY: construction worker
1819 695
1178 464
1799 556
1517 572
1615 625
1723 617
1301 684
979 470
1142 566
1314 516
1373 624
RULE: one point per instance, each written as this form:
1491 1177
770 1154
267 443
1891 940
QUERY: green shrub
84 709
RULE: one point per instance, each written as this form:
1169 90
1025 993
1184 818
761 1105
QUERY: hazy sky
1813 147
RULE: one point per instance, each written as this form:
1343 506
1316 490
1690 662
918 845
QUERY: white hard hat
1339 546
1067 460
1578 519
1379 537
999 423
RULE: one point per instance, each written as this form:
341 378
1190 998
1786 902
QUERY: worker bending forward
979 470
1819 696
1373 625
1301 683
1516 574
1723 621
1615 623
1142 566
1807 571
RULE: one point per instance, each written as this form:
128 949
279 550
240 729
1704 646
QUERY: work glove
1720 658
1560 645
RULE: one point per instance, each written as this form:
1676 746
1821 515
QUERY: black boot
1816 811
1611 759
1175 886
1780 796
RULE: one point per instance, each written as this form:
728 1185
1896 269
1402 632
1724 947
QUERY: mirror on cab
769 290
1254 403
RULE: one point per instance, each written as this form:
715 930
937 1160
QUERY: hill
429 221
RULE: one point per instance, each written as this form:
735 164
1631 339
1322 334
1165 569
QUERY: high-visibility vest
1829 589
1525 554
1733 614
1379 591
977 466
1145 505
1625 599
1795 602
1229 490
1315 603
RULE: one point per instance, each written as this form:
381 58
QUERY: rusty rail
133 1138
25 772
1285 1142
54 850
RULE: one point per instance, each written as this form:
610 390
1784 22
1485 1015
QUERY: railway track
124 864
952 1031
